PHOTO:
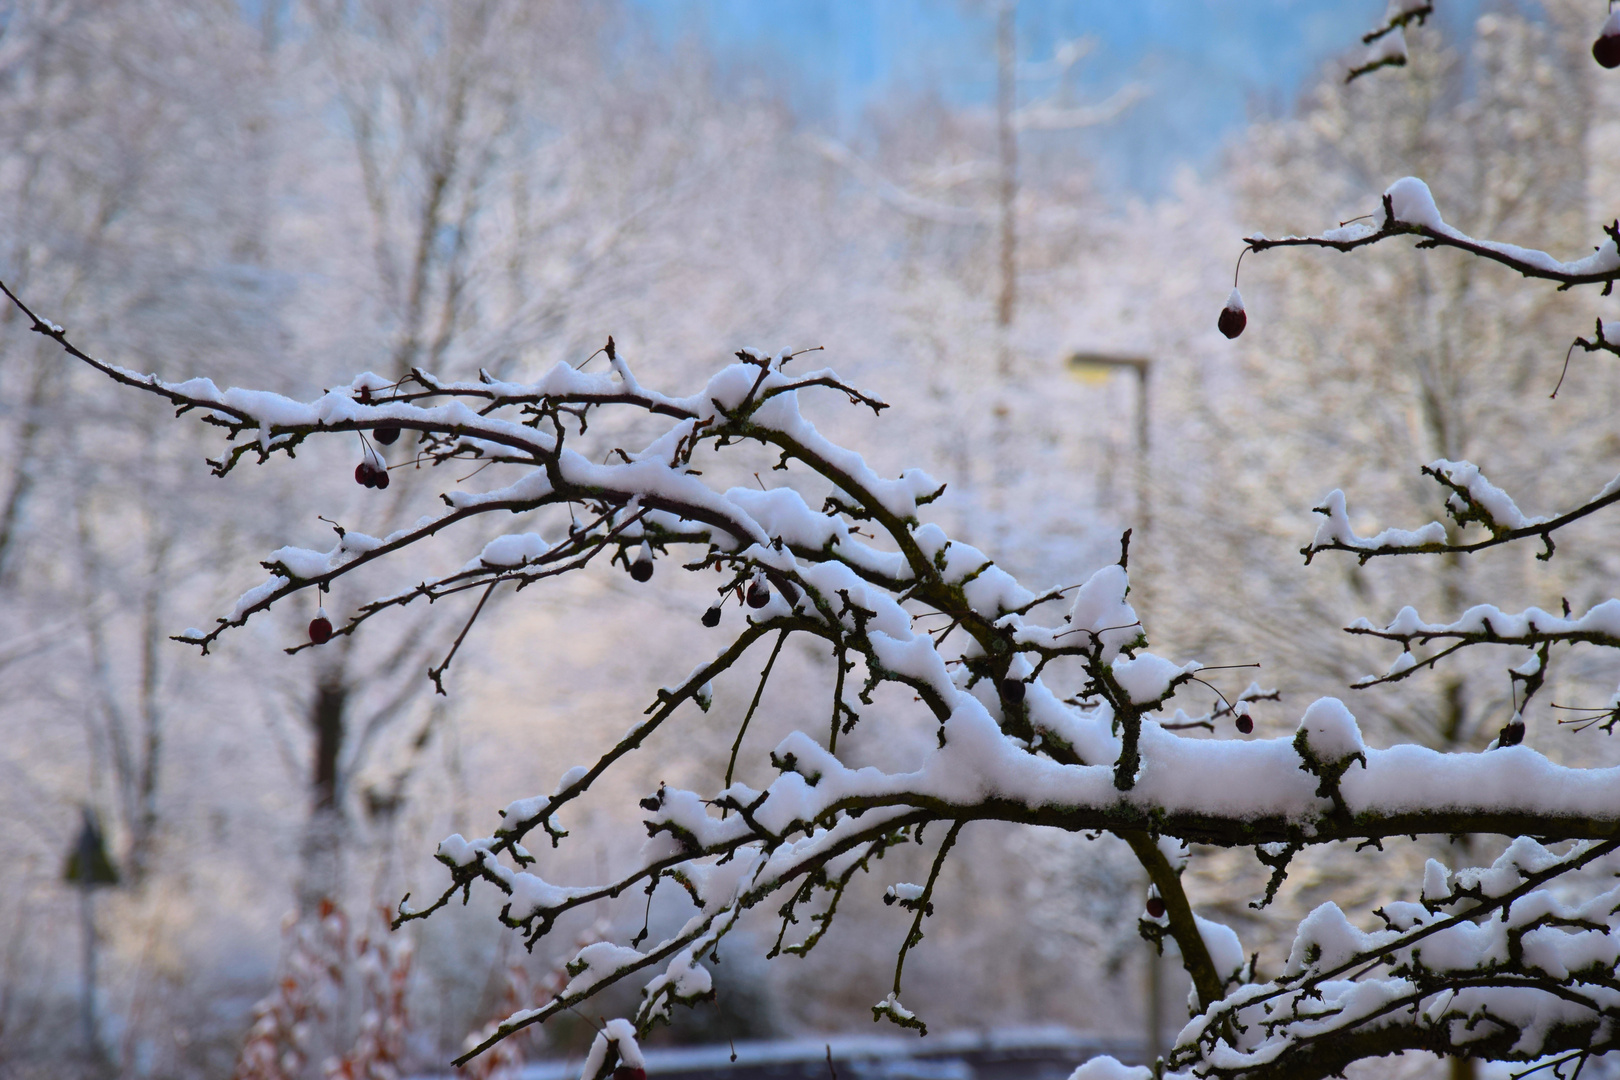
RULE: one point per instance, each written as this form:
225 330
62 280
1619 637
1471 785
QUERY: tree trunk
322 849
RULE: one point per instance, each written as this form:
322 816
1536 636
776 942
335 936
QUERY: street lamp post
1087 365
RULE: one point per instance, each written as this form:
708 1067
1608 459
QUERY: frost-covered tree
1425 358
1359 369
101 210
955 698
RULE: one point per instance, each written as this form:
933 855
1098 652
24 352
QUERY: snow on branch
1489 964
1397 15
1473 500
1386 42
1485 624
1409 210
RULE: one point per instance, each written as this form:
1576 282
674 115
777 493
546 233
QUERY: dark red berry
759 593
711 618
370 476
320 630
1155 907
629 1072
1513 733
1232 321
387 434
1606 50
1245 723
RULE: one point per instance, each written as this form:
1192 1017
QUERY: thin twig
915 935
838 698
764 676
437 674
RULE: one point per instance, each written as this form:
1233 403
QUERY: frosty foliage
302 1022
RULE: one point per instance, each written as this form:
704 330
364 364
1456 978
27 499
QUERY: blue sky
1209 64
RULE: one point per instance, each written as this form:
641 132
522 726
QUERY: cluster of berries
371 476
372 472
757 595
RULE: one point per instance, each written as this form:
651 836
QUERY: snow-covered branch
1409 210
1490 963
1386 42
1474 500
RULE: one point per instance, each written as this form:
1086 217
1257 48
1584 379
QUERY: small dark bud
1155 907
642 568
1012 690
759 593
650 803
1606 49
889 898
711 618
1513 733
387 434
1245 723
320 630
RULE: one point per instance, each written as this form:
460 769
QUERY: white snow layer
1491 620
621 1034
1108 1068
1336 529
1147 678
1225 950
1412 203
1331 733
1503 512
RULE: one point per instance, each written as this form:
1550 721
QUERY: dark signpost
89 867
